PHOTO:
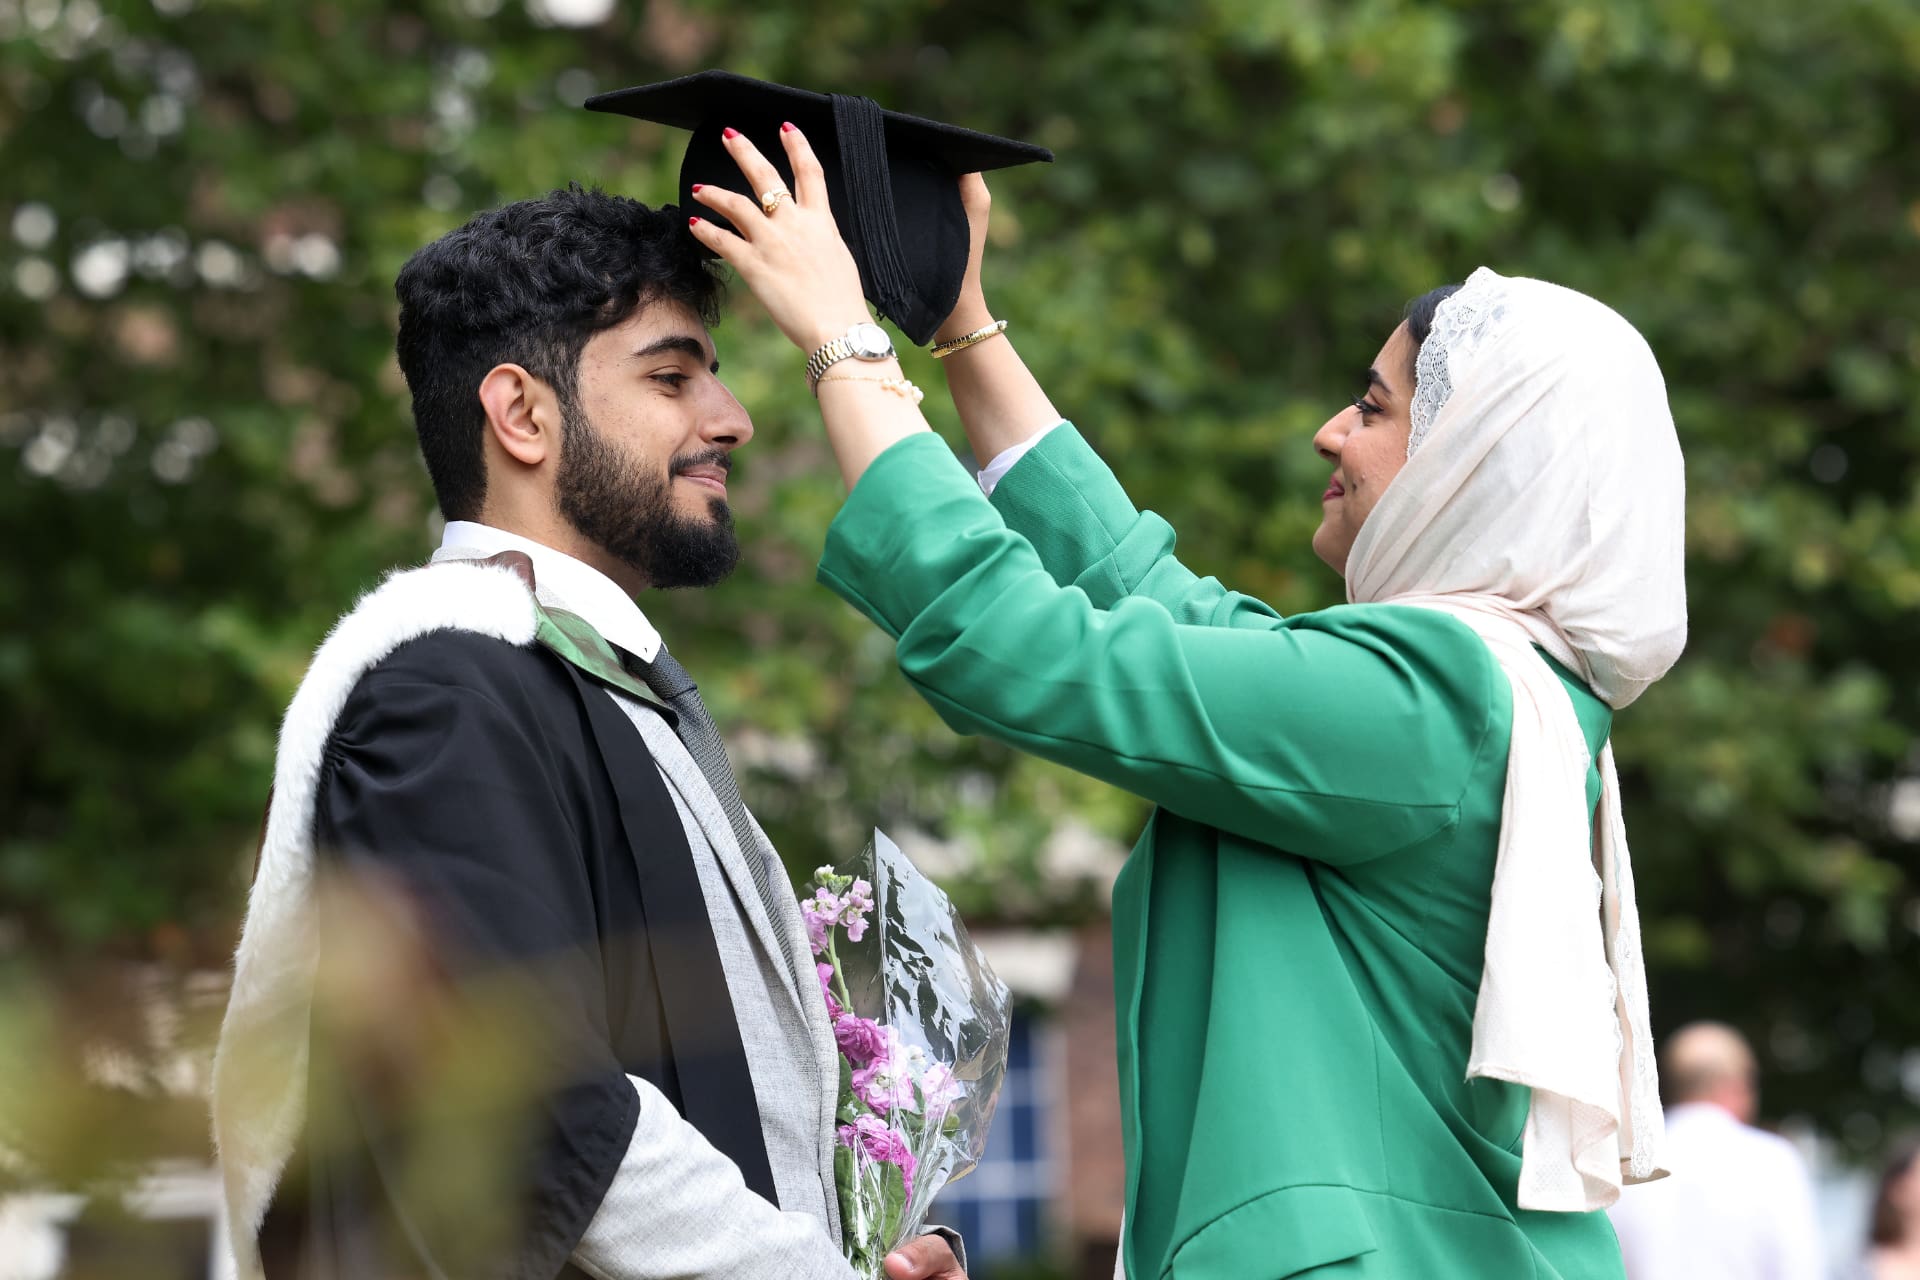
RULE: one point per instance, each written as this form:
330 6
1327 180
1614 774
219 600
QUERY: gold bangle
899 386
941 350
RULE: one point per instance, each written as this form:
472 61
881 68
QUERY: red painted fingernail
730 133
698 185
693 222
786 127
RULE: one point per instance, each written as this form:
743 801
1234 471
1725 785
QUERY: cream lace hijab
1542 503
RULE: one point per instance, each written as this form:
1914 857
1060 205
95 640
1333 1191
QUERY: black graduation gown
518 814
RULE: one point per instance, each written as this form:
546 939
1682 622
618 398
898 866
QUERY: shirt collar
1707 1113
563 583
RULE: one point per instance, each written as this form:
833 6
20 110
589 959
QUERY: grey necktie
673 686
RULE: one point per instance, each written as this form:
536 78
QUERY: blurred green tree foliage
206 452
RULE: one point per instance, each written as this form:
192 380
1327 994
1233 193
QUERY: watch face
869 342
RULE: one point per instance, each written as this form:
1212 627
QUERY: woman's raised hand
970 312
1000 404
793 257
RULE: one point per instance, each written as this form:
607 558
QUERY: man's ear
523 414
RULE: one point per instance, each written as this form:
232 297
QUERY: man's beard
630 515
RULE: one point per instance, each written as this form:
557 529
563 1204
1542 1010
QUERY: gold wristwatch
866 341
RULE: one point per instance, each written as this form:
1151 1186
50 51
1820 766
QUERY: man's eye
674 380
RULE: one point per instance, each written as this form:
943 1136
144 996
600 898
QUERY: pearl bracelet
899 386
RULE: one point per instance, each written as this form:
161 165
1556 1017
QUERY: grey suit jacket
677 1207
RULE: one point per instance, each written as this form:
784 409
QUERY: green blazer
1299 933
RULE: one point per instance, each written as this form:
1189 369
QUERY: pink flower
941 1090
821 912
875 1137
854 908
886 1083
826 988
859 899
861 1040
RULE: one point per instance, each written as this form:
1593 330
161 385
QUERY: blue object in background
1001 1207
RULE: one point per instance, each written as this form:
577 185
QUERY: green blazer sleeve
1065 501
1342 735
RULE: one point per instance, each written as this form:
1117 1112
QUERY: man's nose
726 422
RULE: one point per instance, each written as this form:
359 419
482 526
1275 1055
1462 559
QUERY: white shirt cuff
995 471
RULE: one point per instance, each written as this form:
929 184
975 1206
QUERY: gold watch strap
828 355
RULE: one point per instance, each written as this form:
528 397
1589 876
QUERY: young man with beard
498 751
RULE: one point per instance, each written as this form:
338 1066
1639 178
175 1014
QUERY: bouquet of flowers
921 1022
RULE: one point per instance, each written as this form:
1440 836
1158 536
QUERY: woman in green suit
1382 1011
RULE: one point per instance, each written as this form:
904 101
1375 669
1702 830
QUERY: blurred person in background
1893 1251
1739 1205
501 744
1362 812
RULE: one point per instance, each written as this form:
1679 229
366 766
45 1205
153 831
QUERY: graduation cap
890 177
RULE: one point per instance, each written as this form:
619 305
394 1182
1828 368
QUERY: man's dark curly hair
529 284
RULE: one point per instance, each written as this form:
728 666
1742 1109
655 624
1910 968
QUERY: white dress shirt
587 592
995 471
1739 1206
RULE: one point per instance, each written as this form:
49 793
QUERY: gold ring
770 200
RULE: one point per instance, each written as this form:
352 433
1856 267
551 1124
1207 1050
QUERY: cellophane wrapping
921 1021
